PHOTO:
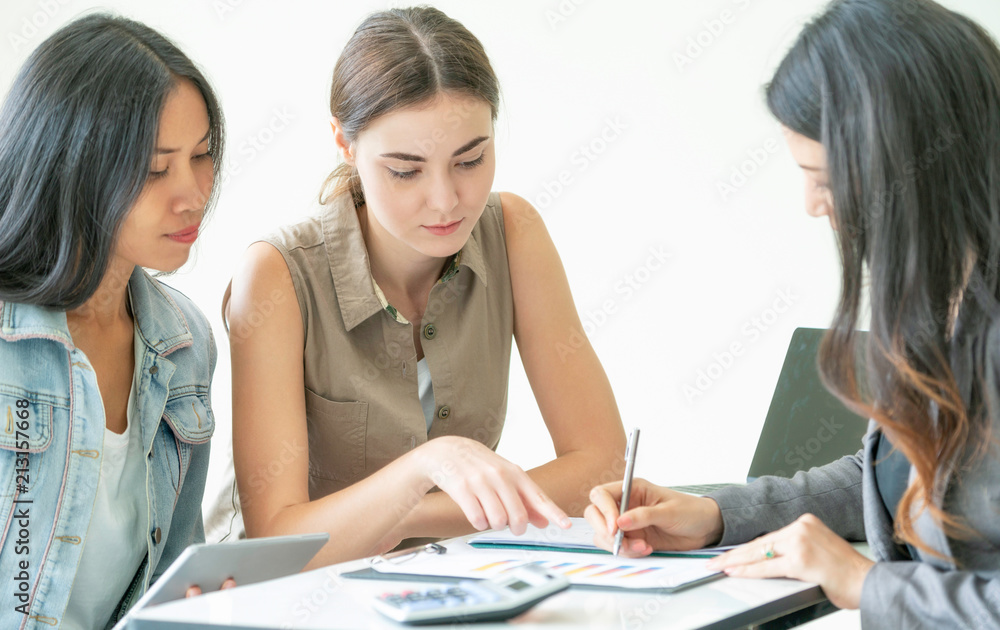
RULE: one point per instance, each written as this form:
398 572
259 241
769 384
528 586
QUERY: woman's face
811 157
163 224
427 173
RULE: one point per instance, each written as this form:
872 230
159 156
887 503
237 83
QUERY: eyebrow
161 151
409 157
810 168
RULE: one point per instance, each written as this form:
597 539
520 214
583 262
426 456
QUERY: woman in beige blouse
379 331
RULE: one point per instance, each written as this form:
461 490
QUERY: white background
684 78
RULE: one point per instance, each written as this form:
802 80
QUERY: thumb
640 518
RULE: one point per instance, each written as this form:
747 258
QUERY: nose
442 196
819 201
193 188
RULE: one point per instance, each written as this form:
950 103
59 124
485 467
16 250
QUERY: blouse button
429 331
157 535
444 412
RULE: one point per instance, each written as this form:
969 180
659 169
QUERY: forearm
358 517
831 492
567 480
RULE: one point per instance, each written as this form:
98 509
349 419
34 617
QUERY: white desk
324 599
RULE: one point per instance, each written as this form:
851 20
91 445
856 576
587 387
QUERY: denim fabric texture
50 460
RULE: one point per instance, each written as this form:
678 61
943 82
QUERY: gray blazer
925 592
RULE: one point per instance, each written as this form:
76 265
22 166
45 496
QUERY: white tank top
116 539
426 389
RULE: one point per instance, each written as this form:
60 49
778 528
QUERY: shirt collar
358 294
157 317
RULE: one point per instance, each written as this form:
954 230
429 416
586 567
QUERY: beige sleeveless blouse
362 404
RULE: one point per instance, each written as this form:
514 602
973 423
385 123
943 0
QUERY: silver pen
633 444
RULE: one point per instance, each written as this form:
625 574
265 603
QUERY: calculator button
423 604
392 600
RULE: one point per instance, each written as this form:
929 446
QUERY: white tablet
246 561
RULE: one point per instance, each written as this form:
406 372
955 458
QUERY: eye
402 174
157 174
473 163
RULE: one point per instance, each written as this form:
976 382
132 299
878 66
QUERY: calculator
506 595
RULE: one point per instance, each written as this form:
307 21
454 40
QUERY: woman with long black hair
892 109
110 141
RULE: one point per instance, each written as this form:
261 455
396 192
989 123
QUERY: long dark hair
397 59
77 134
905 99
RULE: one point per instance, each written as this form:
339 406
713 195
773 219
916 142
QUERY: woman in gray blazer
892 109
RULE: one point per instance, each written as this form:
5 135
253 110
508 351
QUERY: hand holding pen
633 518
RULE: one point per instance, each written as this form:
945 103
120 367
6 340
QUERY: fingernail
565 522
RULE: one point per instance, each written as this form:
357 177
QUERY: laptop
806 425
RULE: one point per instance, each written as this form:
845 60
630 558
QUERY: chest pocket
337 432
26 424
190 416
188 421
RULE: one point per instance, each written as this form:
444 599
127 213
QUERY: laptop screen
806 425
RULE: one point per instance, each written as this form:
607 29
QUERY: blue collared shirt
52 433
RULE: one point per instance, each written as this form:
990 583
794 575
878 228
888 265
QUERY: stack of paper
578 538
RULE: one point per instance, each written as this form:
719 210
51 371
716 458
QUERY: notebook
806 425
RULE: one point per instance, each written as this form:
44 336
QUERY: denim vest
52 432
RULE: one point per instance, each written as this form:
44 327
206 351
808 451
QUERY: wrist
712 517
418 467
863 567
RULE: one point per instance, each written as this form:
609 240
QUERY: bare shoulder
520 218
263 265
262 285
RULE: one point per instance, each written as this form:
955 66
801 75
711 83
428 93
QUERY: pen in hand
633 443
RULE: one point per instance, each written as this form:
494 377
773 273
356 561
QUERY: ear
346 148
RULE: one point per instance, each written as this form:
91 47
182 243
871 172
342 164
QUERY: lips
187 235
443 229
